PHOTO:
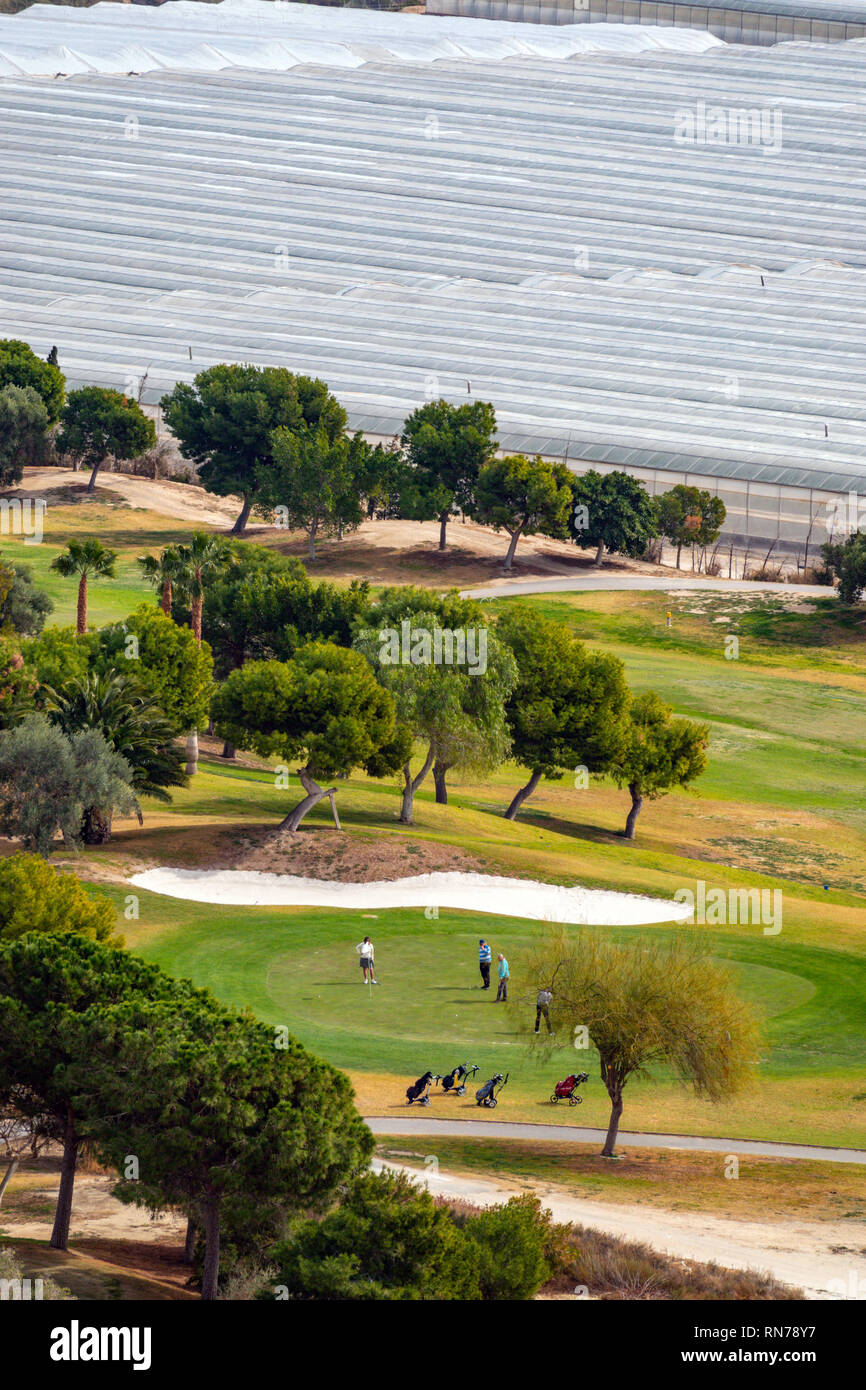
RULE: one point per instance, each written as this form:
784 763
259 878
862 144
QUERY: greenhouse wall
732 24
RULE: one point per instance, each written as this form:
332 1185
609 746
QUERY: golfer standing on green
365 951
503 973
484 957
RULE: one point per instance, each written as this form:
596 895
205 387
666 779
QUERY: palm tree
165 573
197 564
133 723
85 558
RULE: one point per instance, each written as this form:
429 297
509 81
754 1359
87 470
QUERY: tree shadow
574 830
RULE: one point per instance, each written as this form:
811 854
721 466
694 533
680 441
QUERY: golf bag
567 1089
486 1095
419 1091
455 1080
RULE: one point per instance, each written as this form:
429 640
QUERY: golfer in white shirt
365 951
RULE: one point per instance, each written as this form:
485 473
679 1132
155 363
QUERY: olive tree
644 1003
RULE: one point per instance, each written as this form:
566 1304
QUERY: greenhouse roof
532 230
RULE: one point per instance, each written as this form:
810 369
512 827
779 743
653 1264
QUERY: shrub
24 607
36 897
388 1240
512 1242
49 782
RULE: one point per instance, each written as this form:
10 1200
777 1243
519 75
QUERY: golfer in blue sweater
503 973
485 956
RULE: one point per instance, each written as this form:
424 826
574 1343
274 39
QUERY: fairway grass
781 807
131 531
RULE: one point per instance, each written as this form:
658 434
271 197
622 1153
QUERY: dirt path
816 1257
584 583
499 1129
183 501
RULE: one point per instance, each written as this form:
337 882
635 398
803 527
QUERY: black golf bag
419 1090
486 1095
455 1080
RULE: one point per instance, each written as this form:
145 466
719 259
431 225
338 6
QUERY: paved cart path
501 1129
584 583
816 1257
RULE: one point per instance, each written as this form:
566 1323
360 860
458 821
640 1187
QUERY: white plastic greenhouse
646 247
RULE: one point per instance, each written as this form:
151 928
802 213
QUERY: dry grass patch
675 1180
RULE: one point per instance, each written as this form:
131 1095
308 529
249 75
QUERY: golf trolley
567 1089
419 1092
488 1092
455 1080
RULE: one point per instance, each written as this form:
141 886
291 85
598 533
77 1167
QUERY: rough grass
129 530
618 1269
672 1179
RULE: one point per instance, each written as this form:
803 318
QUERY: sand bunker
506 897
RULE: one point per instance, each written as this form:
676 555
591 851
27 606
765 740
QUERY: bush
35 897
773 574
846 561
388 1240
513 1243
49 782
24 606
812 574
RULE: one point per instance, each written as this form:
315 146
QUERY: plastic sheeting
529 233
185 36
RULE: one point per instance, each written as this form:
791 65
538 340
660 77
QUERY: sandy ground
95 1213
384 552
510 897
815 1257
182 501
334 855
652 580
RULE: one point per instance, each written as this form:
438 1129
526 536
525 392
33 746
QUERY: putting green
298 968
